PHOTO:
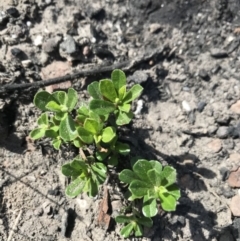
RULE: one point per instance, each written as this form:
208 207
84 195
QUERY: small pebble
38 40
186 106
201 105
223 132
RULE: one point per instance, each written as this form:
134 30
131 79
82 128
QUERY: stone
234 206
186 106
204 74
223 132
139 77
38 211
54 70
218 53
234 178
215 145
234 161
38 40
155 28
13 12
51 44
201 105
69 45
236 107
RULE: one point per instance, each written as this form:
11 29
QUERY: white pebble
186 106
48 1
139 107
29 24
14 36
38 40
93 40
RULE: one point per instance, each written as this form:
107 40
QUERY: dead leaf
104 218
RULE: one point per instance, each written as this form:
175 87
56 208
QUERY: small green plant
96 124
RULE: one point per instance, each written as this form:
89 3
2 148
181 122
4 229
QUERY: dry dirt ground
189 119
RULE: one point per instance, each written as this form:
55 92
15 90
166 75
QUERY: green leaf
93 188
124 107
138 230
107 89
122 148
67 129
72 99
139 188
168 175
62 97
56 144
118 78
37 133
100 169
156 165
113 160
127 230
75 187
51 133
122 92
85 135
149 208
133 93
94 91
123 118
53 106
145 221
108 134
123 219
141 167
74 168
41 99
83 110
102 155
43 120
154 177
168 202
101 107
174 191
92 126
60 116
127 176
78 143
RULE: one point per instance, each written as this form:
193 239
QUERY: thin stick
126 65
15 225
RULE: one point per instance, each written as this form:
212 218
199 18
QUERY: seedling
96 124
133 224
150 181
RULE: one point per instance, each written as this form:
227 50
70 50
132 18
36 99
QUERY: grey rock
223 132
139 77
51 44
227 192
38 211
201 105
204 74
218 53
69 45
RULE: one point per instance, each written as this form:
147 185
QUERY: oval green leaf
75 187
133 93
94 91
108 134
149 208
127 176
107 89
84 135
67 129
41 99
101 107
37 133
118 78
72 99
